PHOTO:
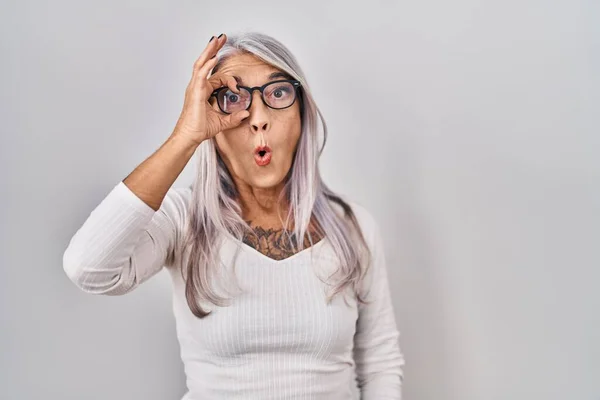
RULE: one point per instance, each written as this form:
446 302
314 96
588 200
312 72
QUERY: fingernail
219 37
211 39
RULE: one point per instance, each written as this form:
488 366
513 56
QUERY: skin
259 186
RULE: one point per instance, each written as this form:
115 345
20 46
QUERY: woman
259 313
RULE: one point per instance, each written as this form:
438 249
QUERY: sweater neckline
252 251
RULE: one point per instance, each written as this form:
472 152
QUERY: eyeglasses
277 95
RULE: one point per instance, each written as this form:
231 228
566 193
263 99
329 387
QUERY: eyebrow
274 75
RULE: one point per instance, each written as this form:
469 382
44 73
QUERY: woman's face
278 129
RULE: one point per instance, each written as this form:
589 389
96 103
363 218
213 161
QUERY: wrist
181 139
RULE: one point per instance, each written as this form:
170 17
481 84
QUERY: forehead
249 70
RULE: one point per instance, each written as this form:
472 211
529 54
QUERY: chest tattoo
274 243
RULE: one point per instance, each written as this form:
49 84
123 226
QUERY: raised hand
199 120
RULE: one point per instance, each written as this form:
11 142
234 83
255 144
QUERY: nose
259 118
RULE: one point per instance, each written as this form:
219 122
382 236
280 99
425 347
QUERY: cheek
228 148
291 127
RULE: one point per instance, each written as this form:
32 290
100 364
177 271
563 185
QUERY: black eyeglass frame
261 89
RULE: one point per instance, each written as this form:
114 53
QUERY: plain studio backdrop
470 129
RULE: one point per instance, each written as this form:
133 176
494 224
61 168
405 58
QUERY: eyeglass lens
276 95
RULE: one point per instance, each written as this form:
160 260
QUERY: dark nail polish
219 37
211 39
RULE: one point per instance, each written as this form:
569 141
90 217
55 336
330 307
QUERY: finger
232 120
220 80
198 79
207 67
211 49
208 52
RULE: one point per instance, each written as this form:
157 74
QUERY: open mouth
262 155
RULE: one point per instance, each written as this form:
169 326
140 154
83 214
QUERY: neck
260 206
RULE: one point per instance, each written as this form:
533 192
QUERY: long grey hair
214 209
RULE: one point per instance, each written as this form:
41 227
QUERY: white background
469 128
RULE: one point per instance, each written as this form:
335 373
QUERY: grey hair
214 210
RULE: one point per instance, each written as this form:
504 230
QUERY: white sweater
276 340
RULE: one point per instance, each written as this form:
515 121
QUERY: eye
279 92
231 97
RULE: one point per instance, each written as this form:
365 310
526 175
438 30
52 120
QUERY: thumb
235 119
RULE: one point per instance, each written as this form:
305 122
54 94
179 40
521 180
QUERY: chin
265 180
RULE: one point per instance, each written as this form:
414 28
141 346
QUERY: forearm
151 180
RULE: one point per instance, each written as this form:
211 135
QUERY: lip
262 160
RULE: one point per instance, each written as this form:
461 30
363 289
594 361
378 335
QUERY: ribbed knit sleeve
377 353
123 241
